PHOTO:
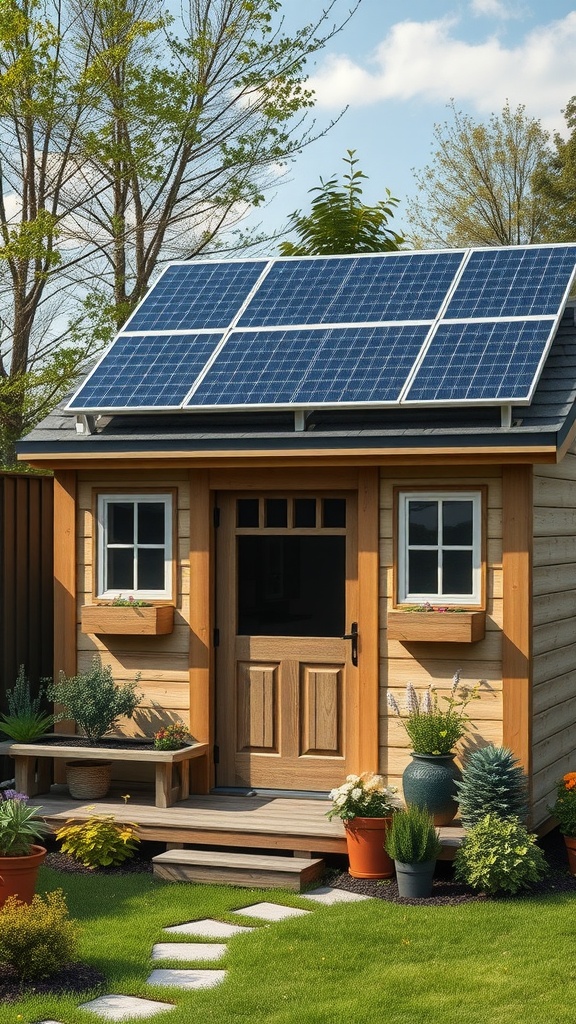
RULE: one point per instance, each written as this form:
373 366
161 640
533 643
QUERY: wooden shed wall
554 618
163 661
436 663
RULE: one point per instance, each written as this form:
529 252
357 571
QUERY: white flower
426 706
392 702
412 705
456 679
356 794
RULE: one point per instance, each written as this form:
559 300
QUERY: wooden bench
33 765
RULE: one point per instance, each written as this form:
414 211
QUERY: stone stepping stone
326 895
271 911
182 978
114 1007
208 929
188 950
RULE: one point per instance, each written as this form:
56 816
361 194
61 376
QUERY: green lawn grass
500 962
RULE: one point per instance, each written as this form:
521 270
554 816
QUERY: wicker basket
88 780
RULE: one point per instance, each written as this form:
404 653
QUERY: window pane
247 512
334 512
151 569
121 522
291 586
120 569
457 572
305 512
457 522
151 522
423 523
276 512
423 572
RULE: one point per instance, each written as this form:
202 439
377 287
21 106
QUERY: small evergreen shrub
26 720
94 700
411 836
499 855
492 783
37 939
99 842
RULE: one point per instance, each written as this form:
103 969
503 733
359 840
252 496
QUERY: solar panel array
454 327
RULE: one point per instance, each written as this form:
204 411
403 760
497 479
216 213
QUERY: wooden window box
437 627
140 621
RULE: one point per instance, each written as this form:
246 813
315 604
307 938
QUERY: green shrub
499 855
37 939
492 783
564 808
99 842
26 720
411 837
94 700
20 826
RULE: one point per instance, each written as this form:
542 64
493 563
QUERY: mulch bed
80 978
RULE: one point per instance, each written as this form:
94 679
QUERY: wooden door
287 680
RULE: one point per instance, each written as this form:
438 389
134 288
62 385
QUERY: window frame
102 501
477 495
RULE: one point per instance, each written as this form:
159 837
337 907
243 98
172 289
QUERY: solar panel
189 296
488 362
145 371
523 281
310 367
362 289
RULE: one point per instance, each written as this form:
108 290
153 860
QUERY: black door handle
353 636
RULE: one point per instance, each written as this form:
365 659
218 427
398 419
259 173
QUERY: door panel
286 704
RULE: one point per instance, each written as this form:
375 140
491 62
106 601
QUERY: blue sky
397 67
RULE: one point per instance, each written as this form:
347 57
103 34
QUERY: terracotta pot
365 839
570 842
429 781
18 875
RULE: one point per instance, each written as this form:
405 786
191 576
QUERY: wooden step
245 869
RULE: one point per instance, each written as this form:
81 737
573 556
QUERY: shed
289 455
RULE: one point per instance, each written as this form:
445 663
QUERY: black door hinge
216 754
216 637
216 516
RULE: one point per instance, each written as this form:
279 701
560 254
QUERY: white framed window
135 546
440 547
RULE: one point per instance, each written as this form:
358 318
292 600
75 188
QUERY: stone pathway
121 1007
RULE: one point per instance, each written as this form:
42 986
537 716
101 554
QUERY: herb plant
363 796
26 720
411 837
20 825
434 729
499 855
99 842
94 700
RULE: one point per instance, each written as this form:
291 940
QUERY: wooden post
368 617
65 578
517 544
201 655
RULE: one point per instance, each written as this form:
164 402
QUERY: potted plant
96 703
366 805
429 780
564 810
130 616
413 844
20 857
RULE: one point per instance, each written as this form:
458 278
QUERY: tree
339 222
555 183
128 137
478 188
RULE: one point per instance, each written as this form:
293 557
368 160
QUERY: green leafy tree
555 183
129 136
339 222
478 187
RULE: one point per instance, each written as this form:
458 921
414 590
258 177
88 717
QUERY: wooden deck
243 822
289 824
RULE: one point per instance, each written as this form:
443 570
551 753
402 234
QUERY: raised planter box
437 627
153 620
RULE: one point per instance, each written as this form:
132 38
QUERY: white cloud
494 9
427 61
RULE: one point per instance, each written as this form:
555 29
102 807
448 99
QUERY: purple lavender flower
13 794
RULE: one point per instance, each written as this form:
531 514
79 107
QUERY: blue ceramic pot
429 781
